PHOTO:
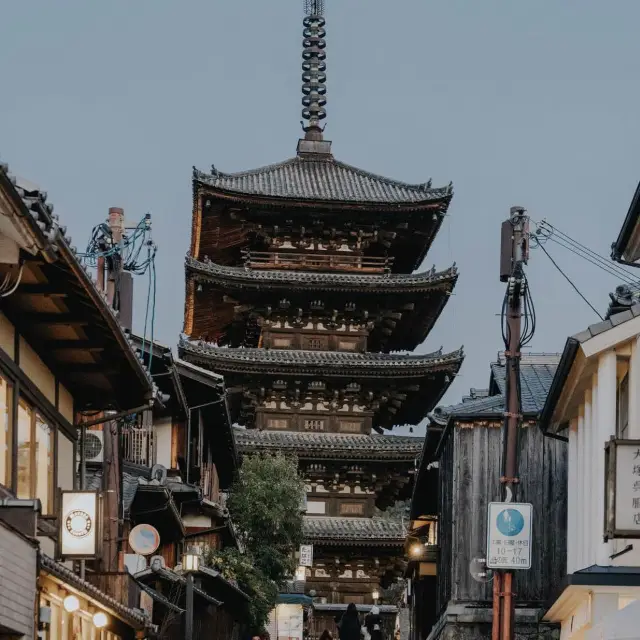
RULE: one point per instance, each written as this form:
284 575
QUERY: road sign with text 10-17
509 535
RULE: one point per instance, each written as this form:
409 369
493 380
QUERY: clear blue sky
532 103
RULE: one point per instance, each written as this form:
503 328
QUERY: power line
555 264
547 231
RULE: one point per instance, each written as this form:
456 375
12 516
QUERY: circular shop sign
510 522
144 539
78 523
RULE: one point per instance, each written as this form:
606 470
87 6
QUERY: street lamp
190 564
376 596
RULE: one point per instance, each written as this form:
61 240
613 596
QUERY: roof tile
362 530
320 279
336 444
322 178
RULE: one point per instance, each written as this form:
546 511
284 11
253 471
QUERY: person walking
373 623
349 628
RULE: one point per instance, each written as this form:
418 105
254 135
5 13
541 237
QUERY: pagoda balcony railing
317 261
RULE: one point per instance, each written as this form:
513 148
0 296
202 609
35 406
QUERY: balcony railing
317 261
138 441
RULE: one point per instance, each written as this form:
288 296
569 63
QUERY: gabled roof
582 346
337 363
330 445
354 531
321 178
323 280
626 247
61 312
536 375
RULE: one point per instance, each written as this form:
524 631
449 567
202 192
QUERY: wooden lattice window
314 344
350 426
313 424
351 509
277 423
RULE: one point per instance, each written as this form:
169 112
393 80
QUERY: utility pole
111 475
514 254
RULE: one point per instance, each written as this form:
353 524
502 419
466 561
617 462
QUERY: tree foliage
240 568
397 511
264 504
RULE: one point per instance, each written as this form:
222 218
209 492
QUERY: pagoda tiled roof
330 445
355 531
336 363
319 178
322 280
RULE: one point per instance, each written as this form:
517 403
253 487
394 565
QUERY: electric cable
575 288
546 231
606 261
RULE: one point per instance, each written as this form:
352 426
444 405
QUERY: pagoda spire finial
314 89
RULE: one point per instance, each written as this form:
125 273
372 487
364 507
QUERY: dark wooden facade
465 443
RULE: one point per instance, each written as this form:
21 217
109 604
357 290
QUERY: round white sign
144 539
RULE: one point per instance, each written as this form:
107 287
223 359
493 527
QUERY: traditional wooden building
459 474
301 291
63 354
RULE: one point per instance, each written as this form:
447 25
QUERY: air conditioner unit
94 446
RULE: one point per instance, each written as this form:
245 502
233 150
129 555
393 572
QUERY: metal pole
83 478
188 623
495 629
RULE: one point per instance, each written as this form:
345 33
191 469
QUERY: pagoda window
313 424
316 507
277 423
350 426
352 508
315 344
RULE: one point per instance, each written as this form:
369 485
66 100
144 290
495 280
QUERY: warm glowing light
100 620
71 604
191 561
376 594
416 549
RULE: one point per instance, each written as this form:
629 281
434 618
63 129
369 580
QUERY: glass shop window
35 457
6 395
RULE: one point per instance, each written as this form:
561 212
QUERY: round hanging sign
144 539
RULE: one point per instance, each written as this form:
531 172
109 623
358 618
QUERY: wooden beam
88 367
47 289
83 345
70 319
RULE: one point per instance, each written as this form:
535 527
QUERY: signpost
306 555
509 535
78 524
622 489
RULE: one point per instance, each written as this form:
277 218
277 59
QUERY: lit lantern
100 620
71 604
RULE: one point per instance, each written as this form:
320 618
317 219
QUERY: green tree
264 504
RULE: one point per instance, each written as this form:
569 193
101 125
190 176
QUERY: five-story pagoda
300 290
